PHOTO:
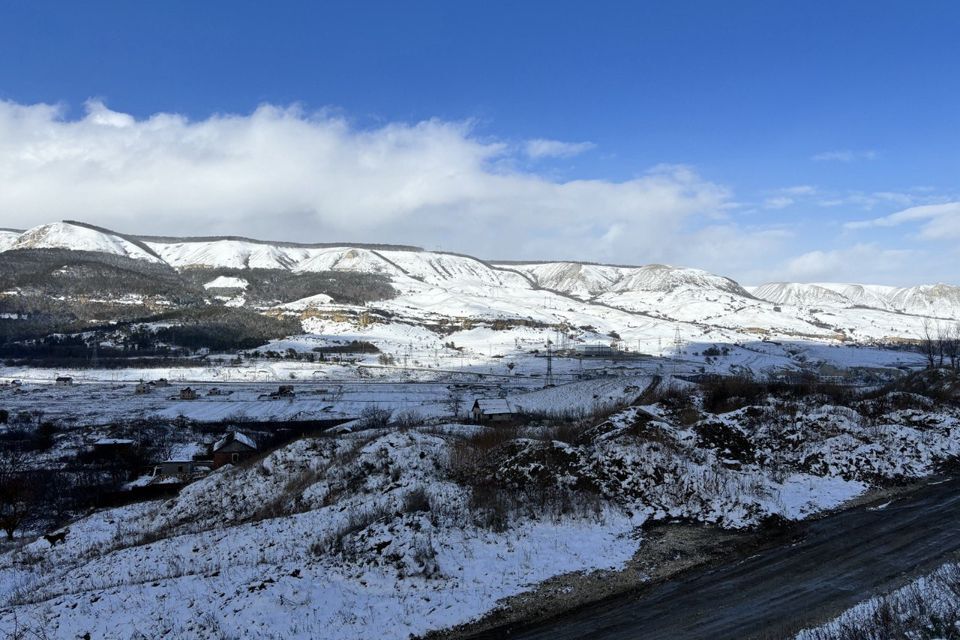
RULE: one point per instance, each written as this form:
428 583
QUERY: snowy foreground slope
928 607
425 528
644 305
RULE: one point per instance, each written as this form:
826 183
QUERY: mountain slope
643 304
76 237
937 300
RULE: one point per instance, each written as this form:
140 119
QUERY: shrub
375 417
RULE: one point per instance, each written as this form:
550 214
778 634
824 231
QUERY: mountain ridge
635 288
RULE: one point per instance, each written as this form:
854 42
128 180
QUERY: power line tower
549 364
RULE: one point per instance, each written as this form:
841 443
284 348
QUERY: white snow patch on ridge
226 282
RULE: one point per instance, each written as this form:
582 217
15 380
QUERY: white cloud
859 263
799 190
282 173
778 202
541 148
939 221
844 155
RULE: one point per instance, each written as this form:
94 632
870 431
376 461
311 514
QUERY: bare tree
942 340
16 493
928 343
951 344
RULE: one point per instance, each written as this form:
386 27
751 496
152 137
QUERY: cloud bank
283 173
937 221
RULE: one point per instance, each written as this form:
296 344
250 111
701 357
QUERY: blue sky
810 141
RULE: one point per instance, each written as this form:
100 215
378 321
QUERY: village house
64 381
233 448
181 469
491 410
162 382
188 394
142 388
114 448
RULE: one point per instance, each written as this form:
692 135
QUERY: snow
226 282
216 569
113 441
645 305
493 406
938 300
235 436
920 609
64 235
8 239
310 302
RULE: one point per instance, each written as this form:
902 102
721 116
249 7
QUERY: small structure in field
181 469
215 391
596 350
64 381
491 410
162 382
142 388
188 394
284 391
233 448
114 448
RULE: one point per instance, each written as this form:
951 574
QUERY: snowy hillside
8 239
644 306
66 235
939 300
589 280
421 529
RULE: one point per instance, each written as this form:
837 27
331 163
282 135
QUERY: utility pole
549 364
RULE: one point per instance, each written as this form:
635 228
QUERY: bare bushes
374 417
723 394
928 608
357 520
510 477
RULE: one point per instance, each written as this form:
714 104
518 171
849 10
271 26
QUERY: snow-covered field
423 528
433 523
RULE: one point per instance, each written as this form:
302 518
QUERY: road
840 560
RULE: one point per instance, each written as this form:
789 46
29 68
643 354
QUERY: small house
188 394
215 391
162 382
142 388
64 381
233 448
181 469
491 410
114 448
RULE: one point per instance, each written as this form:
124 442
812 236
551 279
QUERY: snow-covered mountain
78 237
643 304
590 280
937 300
